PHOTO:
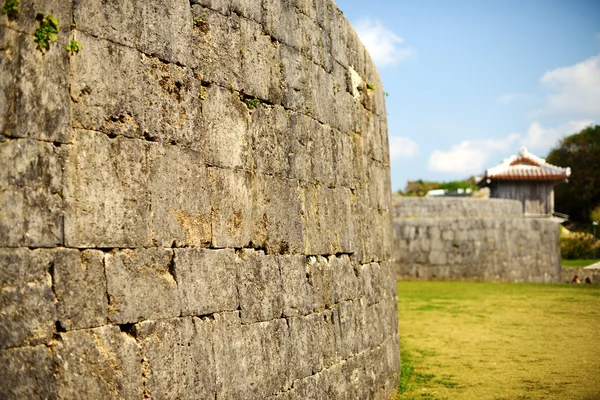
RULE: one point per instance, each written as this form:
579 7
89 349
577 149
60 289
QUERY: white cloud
574 90
383 44
402 148
541 139
469 157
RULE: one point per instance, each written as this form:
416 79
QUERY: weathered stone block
105 87
178 356
232 198
27 373
319 276
226 140
301 146
250 359
277 215
344 279
80 287
102 363
217 43
206 280
172 103
259 286
351 327
179 197
297 290
107 96
106 183
271 140
278 16
34 85
327 220
26 300
30 194
156 28
261 69
140 285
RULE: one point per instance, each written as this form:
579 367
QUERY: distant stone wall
568 273
482 239
194 205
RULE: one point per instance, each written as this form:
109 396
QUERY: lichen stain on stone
236 222
197 227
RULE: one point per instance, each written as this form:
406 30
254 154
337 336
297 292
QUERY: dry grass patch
472 340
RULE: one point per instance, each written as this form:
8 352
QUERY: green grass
578 263
473 340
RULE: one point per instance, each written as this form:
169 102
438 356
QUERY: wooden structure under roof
527 178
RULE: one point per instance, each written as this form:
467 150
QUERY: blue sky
471 82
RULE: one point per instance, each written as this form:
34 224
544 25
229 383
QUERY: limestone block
260 286
26 300
344 280
250 359
359 159
102 363
217 44
34 85
106 90
339 28
106 183
367 282
278 17
140 285
106 86
344 103
180 197
27 372
302 145
342 161
80 287
351 326
226 140
327 220
178 354
172 103
355 51
379 196
261 68
322 166
206 280
297 290
271 140
305 354
232 198
316 43
323 109
277 218
299 80
30 193
160 28
320 277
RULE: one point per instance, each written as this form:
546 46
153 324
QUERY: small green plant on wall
47 32
11 8
74 46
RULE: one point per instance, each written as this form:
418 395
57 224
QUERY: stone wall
194 205
482 239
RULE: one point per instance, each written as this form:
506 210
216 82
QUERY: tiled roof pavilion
525 167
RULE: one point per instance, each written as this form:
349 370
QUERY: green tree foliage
420 187
581 152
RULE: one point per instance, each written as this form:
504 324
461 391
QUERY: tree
581 152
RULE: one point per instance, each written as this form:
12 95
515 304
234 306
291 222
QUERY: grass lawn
472 340
578 263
